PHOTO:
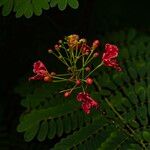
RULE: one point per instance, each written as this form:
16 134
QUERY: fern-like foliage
29 7
49 115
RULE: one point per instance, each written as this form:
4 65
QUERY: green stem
56 81
67 74
95 69
71 89
62 60
83 68
87 60
55 77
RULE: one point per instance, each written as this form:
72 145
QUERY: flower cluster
77 56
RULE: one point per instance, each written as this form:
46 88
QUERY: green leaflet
44 4
140 66
88 144
141 92
142 114
73 4
124 53
146 136
67 123
2 2
60 127
28 12
37 9
105 81
62 4
81 147
31 132
80 115
53 3
52 129
23 7
42 134
114 141
17 4
74 120
132 72
7 8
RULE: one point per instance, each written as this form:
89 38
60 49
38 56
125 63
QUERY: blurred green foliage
29 7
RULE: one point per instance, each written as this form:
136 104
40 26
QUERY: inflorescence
77 56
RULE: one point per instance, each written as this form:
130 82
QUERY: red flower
87 102
109 56
40 70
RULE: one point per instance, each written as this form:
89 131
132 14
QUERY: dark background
22 41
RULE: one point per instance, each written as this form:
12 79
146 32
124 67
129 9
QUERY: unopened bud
78 82
96 54
53 73
60 41
50 51
69 68
89 81
56 46
67 94
47 79
82 41
96 43
77 57
87 69
86 53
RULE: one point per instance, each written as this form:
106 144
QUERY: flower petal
110 55
40 71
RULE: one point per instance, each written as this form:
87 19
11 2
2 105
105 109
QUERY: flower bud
85 49
50 51
69 68
56 47
67 94
96 54
60 41
78 82
53 73
96 43
87 69
47 78
82 41
89 81
86 53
